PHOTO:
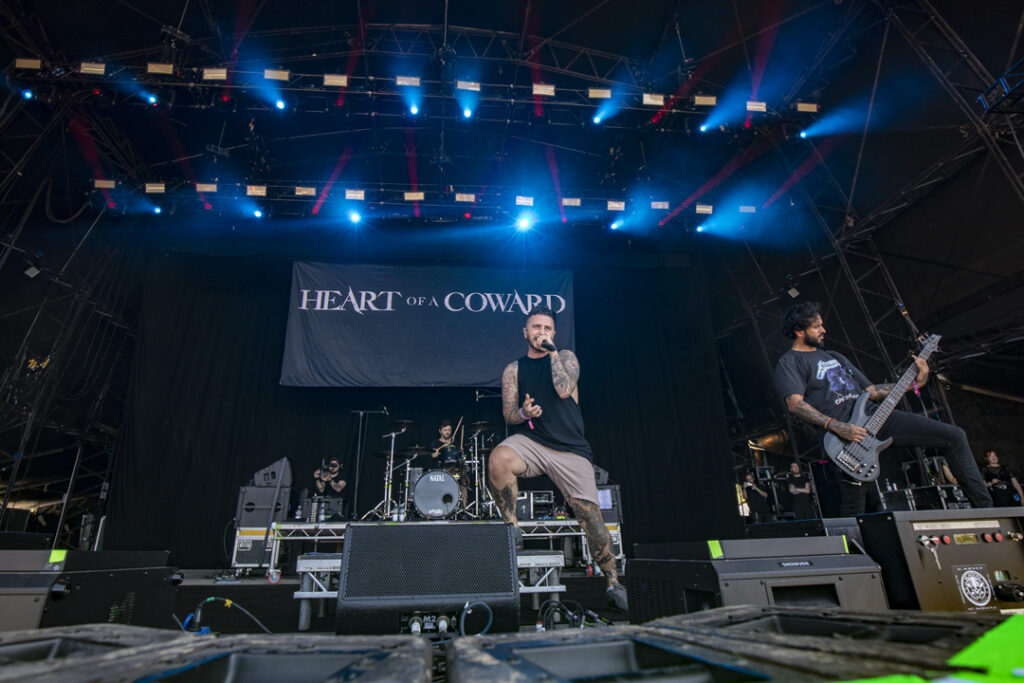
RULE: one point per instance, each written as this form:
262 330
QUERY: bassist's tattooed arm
805 412
878 392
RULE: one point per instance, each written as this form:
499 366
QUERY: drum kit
456 489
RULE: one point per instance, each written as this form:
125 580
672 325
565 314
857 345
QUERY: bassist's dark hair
800 317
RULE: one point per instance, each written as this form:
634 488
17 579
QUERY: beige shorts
572 474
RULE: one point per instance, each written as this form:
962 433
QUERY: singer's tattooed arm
565 372
510 394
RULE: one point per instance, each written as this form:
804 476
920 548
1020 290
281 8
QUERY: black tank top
561 425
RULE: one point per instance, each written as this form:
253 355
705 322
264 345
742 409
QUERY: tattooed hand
850 432
531 409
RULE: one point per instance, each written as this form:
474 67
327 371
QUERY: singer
540 402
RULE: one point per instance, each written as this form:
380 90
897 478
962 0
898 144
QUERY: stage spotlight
157 210
700 228
597 119
152 99
524 223
414 110
616 225
27 94
354 217
257 213
279 104
803 134
467 112
704 128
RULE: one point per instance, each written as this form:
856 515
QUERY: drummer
444 447
444 438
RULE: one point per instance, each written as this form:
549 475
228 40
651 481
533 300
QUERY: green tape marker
57 556
715 548
846 546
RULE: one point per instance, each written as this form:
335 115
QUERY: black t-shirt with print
826 380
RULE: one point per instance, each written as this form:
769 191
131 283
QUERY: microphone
548 346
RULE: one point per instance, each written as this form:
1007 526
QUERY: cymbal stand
404 507
382 510
475 509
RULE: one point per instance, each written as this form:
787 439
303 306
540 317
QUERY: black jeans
908 429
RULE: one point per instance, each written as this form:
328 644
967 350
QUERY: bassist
820 388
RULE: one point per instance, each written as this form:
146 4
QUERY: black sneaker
617 597
519 538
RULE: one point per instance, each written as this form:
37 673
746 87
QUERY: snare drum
436 495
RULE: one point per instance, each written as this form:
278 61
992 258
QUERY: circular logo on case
976 588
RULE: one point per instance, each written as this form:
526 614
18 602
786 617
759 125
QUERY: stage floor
274 605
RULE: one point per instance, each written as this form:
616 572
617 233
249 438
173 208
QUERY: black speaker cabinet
678 578
254 506
398 578
949 560
41 588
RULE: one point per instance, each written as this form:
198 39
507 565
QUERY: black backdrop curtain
206 410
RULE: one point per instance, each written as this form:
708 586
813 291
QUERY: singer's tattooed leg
589 516
503 467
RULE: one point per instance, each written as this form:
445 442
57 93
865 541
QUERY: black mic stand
360 438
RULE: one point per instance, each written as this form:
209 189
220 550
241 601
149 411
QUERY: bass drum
436 495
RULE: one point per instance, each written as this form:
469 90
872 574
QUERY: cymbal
382 454
479 426
402 424
413 451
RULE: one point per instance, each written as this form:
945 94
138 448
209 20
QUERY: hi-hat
413 451
479 426
402 424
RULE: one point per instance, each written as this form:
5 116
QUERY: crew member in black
820 388
1001 481
800 492
328 482
757 500
540 401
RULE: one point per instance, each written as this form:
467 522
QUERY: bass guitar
860 460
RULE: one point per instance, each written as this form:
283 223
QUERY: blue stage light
597 119
27 94
157 210
467 112
354 217
279 104
616 225
257 213
151 99
524 223
414 109
700 228
704 128
803 134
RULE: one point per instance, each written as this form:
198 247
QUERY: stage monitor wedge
397 578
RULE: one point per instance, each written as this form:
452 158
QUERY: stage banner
414 326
